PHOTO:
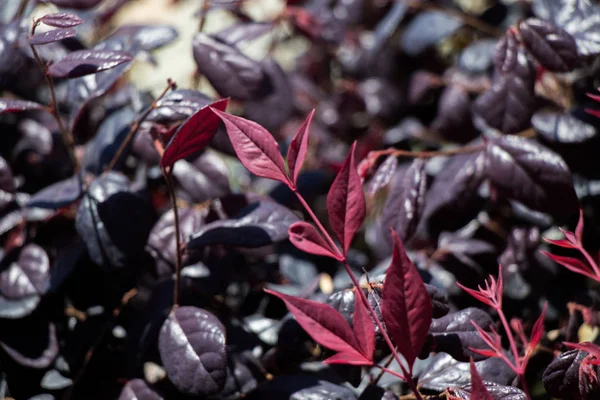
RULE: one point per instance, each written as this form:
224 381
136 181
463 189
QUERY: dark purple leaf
52 36
86 62
306 237
553 47
205 178
478 57
382 98
568 376
496 391
406 305
455 334
302 387
243 32
42 361
28 276
178 105
405 201
192 349
444 371
7 184
298 149
259 224
230 72
10 220
454 120
12 105
562 127
426 30
61 20
76 4
508 105
382 175
524 170
512 58
137 389
255 147
194 134
346 202
421 84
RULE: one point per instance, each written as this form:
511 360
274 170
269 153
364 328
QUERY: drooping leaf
230 72
13 105
455 334
326 326
85 62
61 20
551 45
52 36
192 349
259 224
298 149
426 30
255 147
524 170
346 202
28 276
454 120
405 202
562 127
568 376
406 306
364 329
306 237
138 389
194 134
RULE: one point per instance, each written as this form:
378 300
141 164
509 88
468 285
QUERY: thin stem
22 8
203 11
389 371
168 179
511 339
137 124
590 260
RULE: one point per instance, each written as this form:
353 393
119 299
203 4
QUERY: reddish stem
590 260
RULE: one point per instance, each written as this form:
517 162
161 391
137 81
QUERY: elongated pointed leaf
591 348
298 148
406 306
255 147
322 322
61 20
194 134
348 358
571 263
346 202
52 36
306 237
12 105
478 389
363 328
86 62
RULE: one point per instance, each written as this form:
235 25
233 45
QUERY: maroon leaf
61 20
363 328
255 147
325 325
85 62
12 105
552 46
478 389
512 58
298 148
52 36
194 134
306 237
406 306
76 4
349 358
346 202
589 347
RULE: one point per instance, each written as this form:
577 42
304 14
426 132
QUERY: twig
169 180
22 8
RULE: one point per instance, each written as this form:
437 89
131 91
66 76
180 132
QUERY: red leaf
255 147
194 134
406 306
485 353
591 348
346 202
322 322
12 105
478 389
306 237
482 297
536 334
298 148
561 243
571 263
350 358
363 328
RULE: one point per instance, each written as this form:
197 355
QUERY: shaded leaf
61 20
569 377
243 32
259 224
194 134
426 30
52 36
43 360
205 178
192 349
478 389
85 62
137 389
552 46
76 4
298 149
306 237
512 58
7 184
28 276
524 170
346 202
54 380
562 127
495 392
178 105
406 306
13 105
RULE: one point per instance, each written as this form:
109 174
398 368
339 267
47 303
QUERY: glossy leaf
192 349
28 276
230 72
61 20
306 237
259 224
298 149
552 46
243 32
562 127
427 29
13 105
255 147
496 391
512 58
346 202
205 178
406 306
524 170
52 36
302 387
405 202
194 134
86 62
147 37
569 377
